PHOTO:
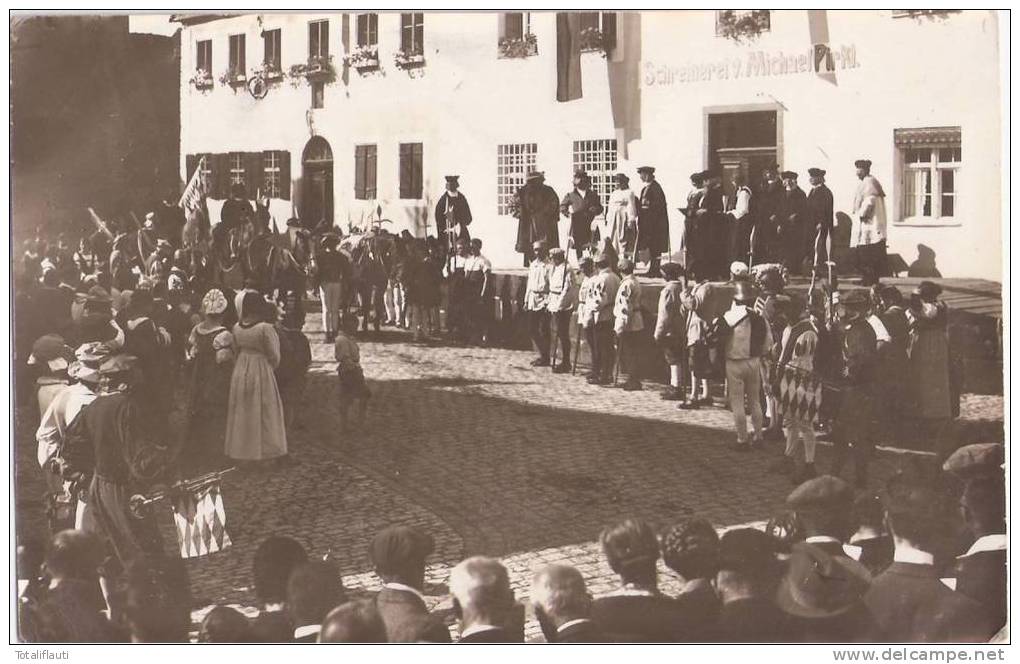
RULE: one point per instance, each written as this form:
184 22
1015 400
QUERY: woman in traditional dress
933 393
255 423
211 352
620 229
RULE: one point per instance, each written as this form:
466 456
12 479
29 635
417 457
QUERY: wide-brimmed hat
820 585
977 460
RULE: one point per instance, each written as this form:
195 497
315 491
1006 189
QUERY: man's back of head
984 506
481 590
632 550
313 590
911 511
353 622
275 559
559 595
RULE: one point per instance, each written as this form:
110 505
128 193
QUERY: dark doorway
742 143
317 183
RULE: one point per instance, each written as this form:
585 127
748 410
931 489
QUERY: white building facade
346 133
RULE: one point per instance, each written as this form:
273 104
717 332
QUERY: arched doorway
317 183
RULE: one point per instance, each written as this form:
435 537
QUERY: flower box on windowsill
404 60
593 41
202 80
363 58
316 69
518 48
234 79
271 74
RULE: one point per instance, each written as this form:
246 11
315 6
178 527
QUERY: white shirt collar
571 623
474 629
994 542
393 585
630 590
305 630
904 553
821 539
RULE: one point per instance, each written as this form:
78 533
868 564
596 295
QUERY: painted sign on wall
819 59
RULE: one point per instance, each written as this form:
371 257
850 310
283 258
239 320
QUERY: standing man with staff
537 209
867 235
453 216
581 205
819 212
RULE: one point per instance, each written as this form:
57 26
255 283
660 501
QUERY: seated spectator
398 554
353 622
824 508
691 549
484 603
875 545
225 625
638 611
822 598
909 602
275 559
746 581
156 601
313 590
562 606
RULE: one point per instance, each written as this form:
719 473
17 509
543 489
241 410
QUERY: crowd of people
901 566
151 361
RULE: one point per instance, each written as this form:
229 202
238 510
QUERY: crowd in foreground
832 567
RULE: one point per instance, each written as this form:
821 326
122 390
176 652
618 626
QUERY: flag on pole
193 203
568 56
201 521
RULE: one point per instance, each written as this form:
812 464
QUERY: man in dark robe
453 215
690 219
581 205
115 437
653 220
791 223
712 230
538 212
766 205
819 216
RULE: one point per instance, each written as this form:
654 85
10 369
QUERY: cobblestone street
489 455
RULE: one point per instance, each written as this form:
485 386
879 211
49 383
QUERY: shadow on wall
924 267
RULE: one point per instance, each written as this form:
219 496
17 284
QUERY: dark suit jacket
272 627
489 636
876 553
702 605
819 209
641 618
982 576
751 620
911 605
583 632
407 619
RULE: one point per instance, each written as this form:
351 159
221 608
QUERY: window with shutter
271 57
364 172
368 29
318 39
271 174
412 33
235 63
253 173
284 159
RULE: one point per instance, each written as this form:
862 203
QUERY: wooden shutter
284 158
324 37
370 167
253 173
609 30
416 158
360 152
221 175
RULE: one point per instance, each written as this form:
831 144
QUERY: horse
371 256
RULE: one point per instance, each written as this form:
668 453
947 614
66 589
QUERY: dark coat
272 627
582 209
876 553
911 605
795 234
703 607
489 636
582 632
751 620
855 625
407 619
461 212
819 208
642 618
982 576
538 213
653 219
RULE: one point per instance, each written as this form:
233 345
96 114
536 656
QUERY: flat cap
928 289
822 493
50 347
977 460
393 548
117 364
788 175
646 169
93 353
452 178
556 251
863 163
738 269
698 177
816 172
